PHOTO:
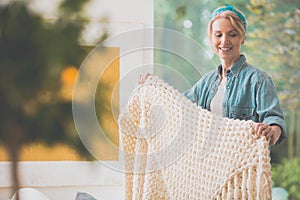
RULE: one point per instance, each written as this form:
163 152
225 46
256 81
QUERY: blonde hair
236 22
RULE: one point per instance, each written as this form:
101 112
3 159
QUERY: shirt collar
236 67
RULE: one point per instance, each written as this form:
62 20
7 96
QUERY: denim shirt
250 95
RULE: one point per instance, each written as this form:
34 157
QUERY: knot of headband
232 9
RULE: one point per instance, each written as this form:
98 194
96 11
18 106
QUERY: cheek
237 43
214 42
214 46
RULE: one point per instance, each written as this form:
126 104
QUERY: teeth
225 48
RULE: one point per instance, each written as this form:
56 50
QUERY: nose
225 39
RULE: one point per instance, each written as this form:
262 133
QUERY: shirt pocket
242 112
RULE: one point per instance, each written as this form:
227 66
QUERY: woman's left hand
271 132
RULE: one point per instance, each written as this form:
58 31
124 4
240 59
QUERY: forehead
222 24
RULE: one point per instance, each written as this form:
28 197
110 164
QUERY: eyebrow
233 30
217 31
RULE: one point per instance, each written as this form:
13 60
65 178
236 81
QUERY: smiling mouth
225 48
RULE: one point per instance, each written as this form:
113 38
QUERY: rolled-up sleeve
191 94
268 106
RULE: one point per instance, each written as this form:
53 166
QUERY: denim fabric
250 94
84 196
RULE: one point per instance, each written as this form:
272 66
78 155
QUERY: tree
33 54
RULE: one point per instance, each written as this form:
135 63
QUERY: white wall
61 180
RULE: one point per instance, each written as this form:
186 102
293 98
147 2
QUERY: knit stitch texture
174 149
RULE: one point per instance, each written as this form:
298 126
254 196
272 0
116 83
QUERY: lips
225 48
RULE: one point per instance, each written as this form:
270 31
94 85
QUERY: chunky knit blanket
174 149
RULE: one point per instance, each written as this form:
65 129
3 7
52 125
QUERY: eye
218 35
233 34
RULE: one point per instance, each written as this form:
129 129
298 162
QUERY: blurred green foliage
286 175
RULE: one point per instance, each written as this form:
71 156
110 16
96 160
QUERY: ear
243 41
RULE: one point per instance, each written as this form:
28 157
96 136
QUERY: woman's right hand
144 77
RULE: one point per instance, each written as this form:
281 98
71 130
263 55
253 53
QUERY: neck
227 63
225 67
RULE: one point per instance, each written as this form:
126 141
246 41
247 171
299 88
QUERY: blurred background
41 52
42 45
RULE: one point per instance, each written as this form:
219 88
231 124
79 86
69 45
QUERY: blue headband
232 9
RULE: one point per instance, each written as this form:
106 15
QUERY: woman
237 89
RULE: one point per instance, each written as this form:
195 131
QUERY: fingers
272 133
276 132
262 129
272 141
143 78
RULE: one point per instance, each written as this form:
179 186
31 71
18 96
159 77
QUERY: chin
222 56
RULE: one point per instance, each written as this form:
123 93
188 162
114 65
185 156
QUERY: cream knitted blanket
174 149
